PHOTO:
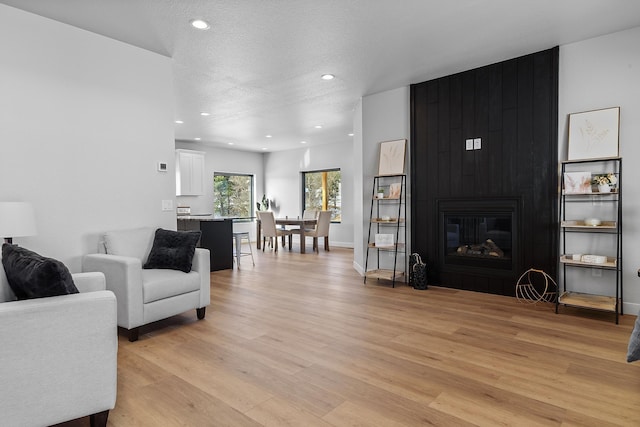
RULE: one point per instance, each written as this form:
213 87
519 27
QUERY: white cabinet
189 173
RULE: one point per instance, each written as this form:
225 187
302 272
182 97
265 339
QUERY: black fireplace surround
511 107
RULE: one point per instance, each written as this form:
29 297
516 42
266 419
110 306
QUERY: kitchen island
217 236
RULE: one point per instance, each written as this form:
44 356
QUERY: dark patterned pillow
633 352
173 250
31 275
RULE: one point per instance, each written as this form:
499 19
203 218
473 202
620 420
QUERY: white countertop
203 217
210 217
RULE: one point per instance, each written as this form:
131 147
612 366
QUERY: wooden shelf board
610 263
598 160
596 302
387 221
396 246
614 191
384 274
605 225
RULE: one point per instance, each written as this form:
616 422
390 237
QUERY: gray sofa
59 355
148 295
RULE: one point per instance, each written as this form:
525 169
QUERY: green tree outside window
232 195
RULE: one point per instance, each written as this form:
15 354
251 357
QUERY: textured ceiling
257 69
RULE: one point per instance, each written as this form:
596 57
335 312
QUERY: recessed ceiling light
264 148
328 77
350 134
204 113
199 24
268 136
179 122
303 142
197 139
229 143
318 126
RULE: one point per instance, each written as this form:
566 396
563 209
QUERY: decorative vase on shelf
604 188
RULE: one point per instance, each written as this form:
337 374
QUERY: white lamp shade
17 219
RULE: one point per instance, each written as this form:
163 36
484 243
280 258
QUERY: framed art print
392 157
577 182
394 190
594 134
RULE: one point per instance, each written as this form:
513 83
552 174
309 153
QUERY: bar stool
237 238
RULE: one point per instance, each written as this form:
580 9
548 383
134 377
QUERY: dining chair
321 230
269 229
310 214
307 214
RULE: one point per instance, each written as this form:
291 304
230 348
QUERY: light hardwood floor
298 340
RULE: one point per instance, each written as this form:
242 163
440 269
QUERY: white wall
283 182
83 122
599 73
385 117
358 190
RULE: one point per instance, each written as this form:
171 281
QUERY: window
322 191
232 195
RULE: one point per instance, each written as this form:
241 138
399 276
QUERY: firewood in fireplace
486 248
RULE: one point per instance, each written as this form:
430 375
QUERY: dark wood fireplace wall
512 107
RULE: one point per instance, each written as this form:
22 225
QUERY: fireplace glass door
478 236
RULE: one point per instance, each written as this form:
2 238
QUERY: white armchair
58 355
148 295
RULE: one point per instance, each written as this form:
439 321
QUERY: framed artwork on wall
392 157
594 134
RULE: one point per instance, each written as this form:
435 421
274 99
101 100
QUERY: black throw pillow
173 250
31 275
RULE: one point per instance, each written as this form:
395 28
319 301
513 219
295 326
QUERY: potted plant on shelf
380 193
265 204
605 182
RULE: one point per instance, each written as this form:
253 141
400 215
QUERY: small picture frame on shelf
594 134
577 182
384 240
394 190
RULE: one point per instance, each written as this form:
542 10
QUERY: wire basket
536 286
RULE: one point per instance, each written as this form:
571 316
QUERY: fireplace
478 235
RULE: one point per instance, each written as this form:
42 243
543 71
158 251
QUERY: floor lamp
16 220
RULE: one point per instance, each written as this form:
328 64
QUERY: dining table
302 223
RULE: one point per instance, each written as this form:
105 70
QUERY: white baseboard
358 268
348 245
631 308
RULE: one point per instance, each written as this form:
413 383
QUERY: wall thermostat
162 166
